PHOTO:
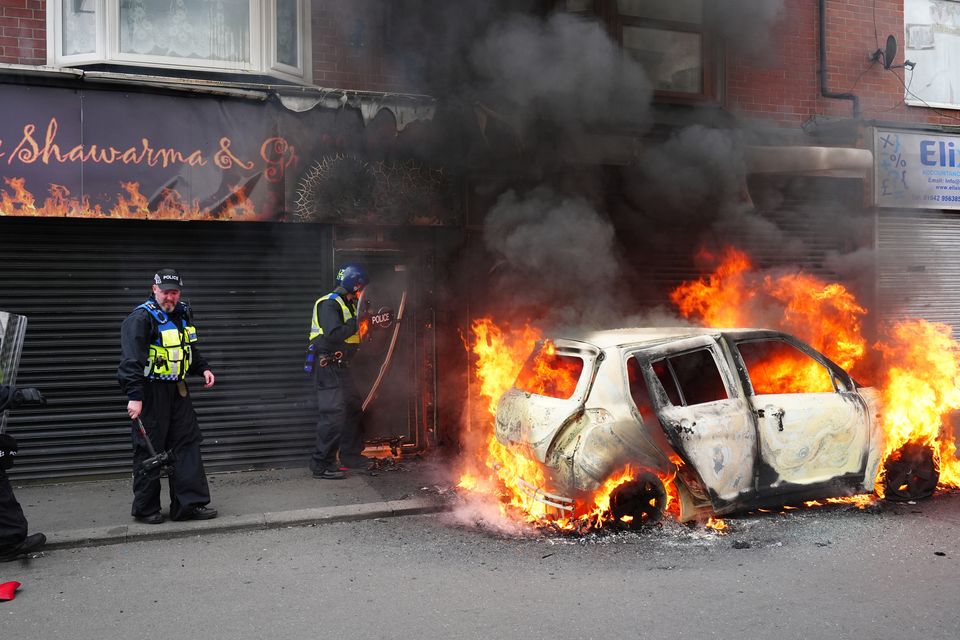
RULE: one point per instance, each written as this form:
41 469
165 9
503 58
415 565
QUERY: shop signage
110 154
917 170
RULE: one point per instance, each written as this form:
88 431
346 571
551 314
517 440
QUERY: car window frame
838 376
561 352
715 351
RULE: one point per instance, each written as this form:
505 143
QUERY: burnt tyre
638 503
910 473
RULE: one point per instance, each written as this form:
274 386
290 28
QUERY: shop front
917 195
254 204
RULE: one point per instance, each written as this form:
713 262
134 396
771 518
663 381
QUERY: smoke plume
563 69
557 257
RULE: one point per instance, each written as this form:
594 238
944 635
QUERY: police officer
159 348
14 541
334 338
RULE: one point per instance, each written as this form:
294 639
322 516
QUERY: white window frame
270 42
262 45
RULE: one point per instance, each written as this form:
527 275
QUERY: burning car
736 419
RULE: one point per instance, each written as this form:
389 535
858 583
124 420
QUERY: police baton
162 461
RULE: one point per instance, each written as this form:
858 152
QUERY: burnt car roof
650 336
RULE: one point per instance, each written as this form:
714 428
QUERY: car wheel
640 502
910 473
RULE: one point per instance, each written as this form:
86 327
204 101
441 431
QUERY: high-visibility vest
170 352
347 311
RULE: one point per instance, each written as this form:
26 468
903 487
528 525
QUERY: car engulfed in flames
618 427
737 418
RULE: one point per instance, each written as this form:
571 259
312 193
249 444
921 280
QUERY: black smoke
521 81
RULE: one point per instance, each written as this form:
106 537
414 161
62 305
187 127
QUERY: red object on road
7 589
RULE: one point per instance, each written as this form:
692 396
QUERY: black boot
31 543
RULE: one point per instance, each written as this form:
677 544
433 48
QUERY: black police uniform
338 400
168 418
13 524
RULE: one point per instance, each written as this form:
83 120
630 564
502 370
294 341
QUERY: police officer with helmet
334 339
159 348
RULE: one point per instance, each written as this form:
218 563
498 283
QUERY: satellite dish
890 52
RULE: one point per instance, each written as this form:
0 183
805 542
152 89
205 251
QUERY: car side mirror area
843 383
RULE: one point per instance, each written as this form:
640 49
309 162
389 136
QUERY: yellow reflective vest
346 311
170 354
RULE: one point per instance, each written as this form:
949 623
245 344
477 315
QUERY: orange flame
497 470
511 475
860 502
826 316
716 524
920 389
550 375
717 299
921 360
130 203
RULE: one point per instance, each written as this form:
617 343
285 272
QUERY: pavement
93 513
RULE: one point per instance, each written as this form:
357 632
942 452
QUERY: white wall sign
916 170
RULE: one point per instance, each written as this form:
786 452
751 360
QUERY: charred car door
704 414
813 426
550 390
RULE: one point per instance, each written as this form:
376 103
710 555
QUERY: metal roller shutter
797 223
251 286
814 217
919 265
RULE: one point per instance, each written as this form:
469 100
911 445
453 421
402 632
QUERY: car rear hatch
549 391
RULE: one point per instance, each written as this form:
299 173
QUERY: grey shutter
919 265
797 223
251 286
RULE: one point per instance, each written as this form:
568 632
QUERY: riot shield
379 307
12 330
384 365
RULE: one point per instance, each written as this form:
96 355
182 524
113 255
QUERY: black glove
27 397
352 325
8 450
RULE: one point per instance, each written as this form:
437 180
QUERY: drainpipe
824 91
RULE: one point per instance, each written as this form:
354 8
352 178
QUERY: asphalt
93 513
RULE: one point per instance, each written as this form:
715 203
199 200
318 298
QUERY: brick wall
339 59
785 87
23 31
349 48
350 51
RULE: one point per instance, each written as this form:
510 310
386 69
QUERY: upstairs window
669 39
239 36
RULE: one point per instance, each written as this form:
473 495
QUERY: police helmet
352 277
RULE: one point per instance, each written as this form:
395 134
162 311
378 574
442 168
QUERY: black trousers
171 424
338 425
13 526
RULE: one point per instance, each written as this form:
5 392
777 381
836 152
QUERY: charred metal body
692 403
